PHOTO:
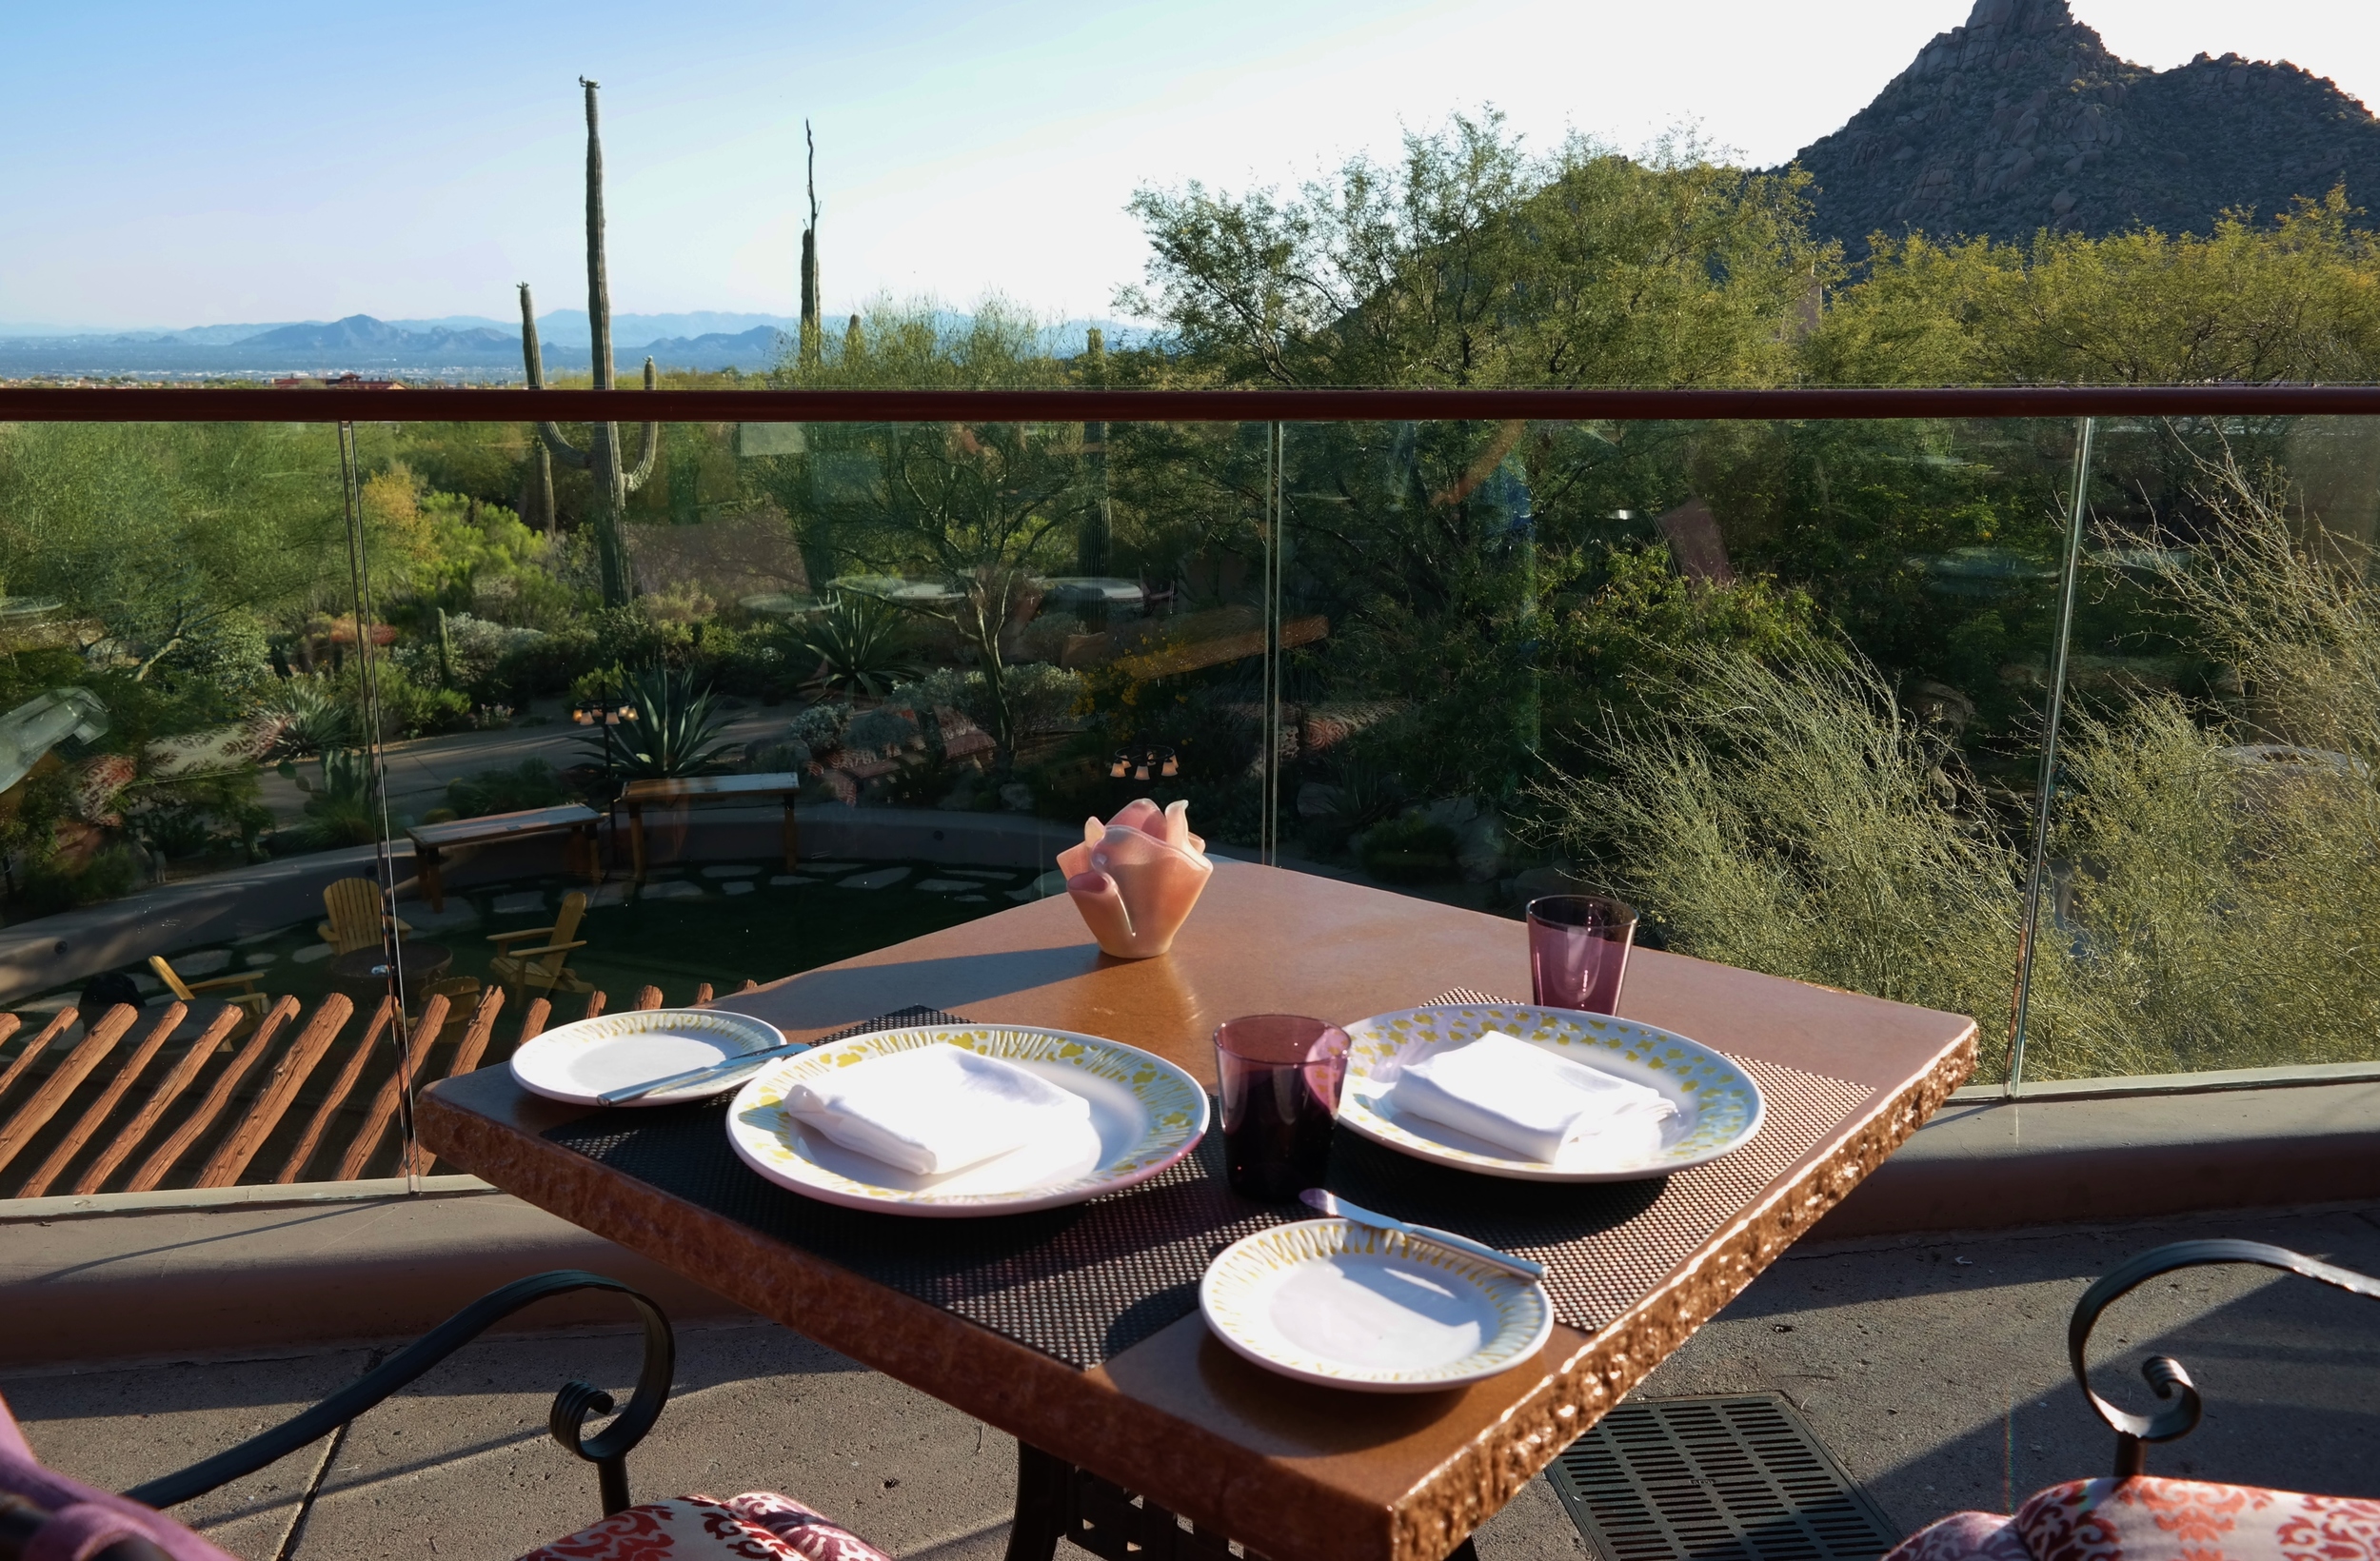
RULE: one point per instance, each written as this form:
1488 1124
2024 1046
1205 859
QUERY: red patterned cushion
1964 1536
756 1526
2151 1519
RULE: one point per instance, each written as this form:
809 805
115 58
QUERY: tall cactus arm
653 437
533 364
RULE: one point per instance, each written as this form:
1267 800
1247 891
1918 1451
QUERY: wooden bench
431 841
783 784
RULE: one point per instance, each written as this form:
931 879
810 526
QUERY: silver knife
725 1071
1323 1202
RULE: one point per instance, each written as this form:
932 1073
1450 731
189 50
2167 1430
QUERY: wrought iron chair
2134 1433
759 1526
2135 1515
573 1406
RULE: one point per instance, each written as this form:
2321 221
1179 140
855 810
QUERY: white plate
1145 1115
1718 1106
1347 1306
578 1061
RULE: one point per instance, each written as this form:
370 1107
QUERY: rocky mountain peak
2022 119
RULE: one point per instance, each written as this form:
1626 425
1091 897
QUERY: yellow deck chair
249 998
353 906
541 969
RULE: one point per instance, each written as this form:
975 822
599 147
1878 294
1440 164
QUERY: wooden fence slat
703 996
534 1022
482 1030
168 1090
595 1002
35 1112
340 1088
160 1164
466 1057
240 1145
128 1072
647 996
34 1047
367 1139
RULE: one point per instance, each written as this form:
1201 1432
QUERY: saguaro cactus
537 486
811 323
604 457
1098 518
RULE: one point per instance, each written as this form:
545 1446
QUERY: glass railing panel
2211 863
188 781
1779 686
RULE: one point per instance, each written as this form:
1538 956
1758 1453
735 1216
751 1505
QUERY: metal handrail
435 403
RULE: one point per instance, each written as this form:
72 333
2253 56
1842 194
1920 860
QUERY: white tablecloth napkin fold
935 1109
1532 1102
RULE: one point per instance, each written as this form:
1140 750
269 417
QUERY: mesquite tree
604 458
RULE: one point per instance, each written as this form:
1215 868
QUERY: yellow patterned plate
1718 1106
1347 1306
580 1061
1145 1115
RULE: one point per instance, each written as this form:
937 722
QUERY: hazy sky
180 165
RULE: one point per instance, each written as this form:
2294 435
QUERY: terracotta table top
1297 1473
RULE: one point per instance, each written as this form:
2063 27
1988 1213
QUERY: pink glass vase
1136 876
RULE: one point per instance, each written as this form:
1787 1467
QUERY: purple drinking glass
1578 951
1278 1076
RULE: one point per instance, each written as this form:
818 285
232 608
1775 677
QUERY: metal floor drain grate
1738 1478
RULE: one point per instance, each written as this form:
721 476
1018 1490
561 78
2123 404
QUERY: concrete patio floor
1934 1367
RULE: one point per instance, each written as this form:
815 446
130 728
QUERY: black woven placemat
1085 1282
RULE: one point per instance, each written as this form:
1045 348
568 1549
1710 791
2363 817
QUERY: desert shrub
53 883
1789 816
2217 867
1409 849
820 726
546 667
880 729
411 708
476 649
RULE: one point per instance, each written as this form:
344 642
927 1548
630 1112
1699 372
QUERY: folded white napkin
1523 1099
936 1108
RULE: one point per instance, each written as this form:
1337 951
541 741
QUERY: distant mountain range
2023 120
457 347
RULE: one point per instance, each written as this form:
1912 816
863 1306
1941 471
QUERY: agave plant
858 644
674 731
308 717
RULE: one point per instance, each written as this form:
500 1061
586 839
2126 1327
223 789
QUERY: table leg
433 886
591 843
636 838
1044 1485
1055 1501
793 836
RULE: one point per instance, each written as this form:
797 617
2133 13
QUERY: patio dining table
1078 1330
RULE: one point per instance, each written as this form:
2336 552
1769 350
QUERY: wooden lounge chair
542 968
247 997
462 995
353 906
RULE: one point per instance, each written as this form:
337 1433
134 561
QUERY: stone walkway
1934 1368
